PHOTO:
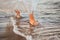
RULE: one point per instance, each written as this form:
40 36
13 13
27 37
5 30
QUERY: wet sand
10 35
48 14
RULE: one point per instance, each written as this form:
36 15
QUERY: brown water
48 15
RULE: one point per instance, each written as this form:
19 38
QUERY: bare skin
17 14
32 20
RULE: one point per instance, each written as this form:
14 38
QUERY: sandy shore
10 35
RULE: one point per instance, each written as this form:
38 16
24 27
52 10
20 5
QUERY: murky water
48 14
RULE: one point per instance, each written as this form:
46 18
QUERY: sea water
47 13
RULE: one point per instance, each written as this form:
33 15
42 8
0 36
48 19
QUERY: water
49 16
47 13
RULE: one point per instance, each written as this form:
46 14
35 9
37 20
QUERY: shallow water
48 14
